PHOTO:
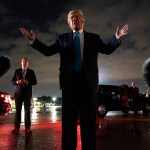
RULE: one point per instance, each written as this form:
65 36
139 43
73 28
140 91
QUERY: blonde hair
76 11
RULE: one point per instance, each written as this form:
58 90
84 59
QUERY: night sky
49 18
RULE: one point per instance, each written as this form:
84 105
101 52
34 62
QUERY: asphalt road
114 132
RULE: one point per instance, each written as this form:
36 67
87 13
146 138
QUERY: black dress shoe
28 131
15 131
135 114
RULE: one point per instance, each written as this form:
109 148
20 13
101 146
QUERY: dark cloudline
28 13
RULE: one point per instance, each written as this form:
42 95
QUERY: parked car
5 102
114 98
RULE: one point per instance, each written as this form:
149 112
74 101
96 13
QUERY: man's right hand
19 82
22 81
30 35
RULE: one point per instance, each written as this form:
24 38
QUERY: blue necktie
77 51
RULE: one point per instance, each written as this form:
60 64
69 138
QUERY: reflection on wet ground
115 131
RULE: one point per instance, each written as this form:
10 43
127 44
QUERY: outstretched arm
120 33
38 45
30 35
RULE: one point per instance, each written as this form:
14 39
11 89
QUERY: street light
54 99
34 98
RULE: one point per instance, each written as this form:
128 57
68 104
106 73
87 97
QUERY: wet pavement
114 132
124 133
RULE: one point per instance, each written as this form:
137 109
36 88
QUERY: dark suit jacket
24 90
134 94
64 45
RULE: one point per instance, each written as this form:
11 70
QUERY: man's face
76 21
133 84
24 63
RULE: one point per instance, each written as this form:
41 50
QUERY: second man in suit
24 78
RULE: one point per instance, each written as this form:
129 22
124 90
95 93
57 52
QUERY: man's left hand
120 33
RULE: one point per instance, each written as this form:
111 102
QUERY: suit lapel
86 44
20 74
70 39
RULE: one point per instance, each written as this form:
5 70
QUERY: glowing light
34 115
22 114
78 138
54 116
54 99
34 98
2 95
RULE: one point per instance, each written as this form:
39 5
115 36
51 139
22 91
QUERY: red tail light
6 97
2 95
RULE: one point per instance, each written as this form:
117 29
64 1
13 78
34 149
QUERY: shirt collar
80 31
24 68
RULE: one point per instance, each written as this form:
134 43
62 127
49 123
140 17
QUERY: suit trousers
27 103
79 102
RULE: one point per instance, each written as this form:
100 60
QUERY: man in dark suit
134 96
24 78
79 85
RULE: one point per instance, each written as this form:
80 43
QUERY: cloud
101 17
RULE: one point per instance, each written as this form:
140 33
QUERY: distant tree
59 100
47 99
